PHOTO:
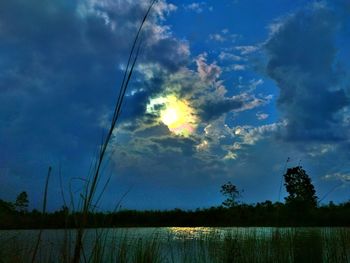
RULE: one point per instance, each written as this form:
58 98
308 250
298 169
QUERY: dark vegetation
260 214
300 209
208 245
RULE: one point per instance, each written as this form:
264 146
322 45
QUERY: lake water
181 244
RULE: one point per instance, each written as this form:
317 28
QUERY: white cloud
203 146
224 35
229 56
251 101
207 72
262 116
149 70
225 31
339 176
217 37
238 67
245 50
162 8
275 26
250 135
320 149
255 83
231 156
197 7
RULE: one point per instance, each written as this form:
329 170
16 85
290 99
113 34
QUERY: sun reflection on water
190 232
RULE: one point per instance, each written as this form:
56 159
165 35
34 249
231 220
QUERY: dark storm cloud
155 131
211 98
169 53
135 104
165 161
211 110
302 61
59 72
185 145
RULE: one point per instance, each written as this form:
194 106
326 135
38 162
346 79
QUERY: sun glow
169 116
176 114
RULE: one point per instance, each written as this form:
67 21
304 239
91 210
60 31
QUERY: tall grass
90 189
43 213
247 245
88 201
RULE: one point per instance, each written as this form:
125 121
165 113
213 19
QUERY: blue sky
263 81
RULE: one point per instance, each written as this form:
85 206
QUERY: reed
43 214
242 246
90 190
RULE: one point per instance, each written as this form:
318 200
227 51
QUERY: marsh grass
277 245
89 193
339 246
36 248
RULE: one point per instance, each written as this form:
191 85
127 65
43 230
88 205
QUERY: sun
175 113
169 116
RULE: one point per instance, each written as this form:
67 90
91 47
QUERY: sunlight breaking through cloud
175 113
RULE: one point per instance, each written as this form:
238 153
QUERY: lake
183 244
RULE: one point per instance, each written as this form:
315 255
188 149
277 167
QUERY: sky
222 91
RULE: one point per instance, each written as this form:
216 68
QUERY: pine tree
230 191
301 191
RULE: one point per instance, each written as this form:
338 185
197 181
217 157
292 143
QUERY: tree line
301 208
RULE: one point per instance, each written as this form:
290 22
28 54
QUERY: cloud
209 95
301 59
224 35
207 72
254 83
217 37
319 149
151 147
246 50
343 177
250 135
229 56
238 67
215 108
61 63
164 159
251 101
213 105
262 116
198 7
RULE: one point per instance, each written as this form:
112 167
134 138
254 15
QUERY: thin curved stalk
91 188
36 248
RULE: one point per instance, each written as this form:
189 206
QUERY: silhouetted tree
301 191
22 202
231 193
